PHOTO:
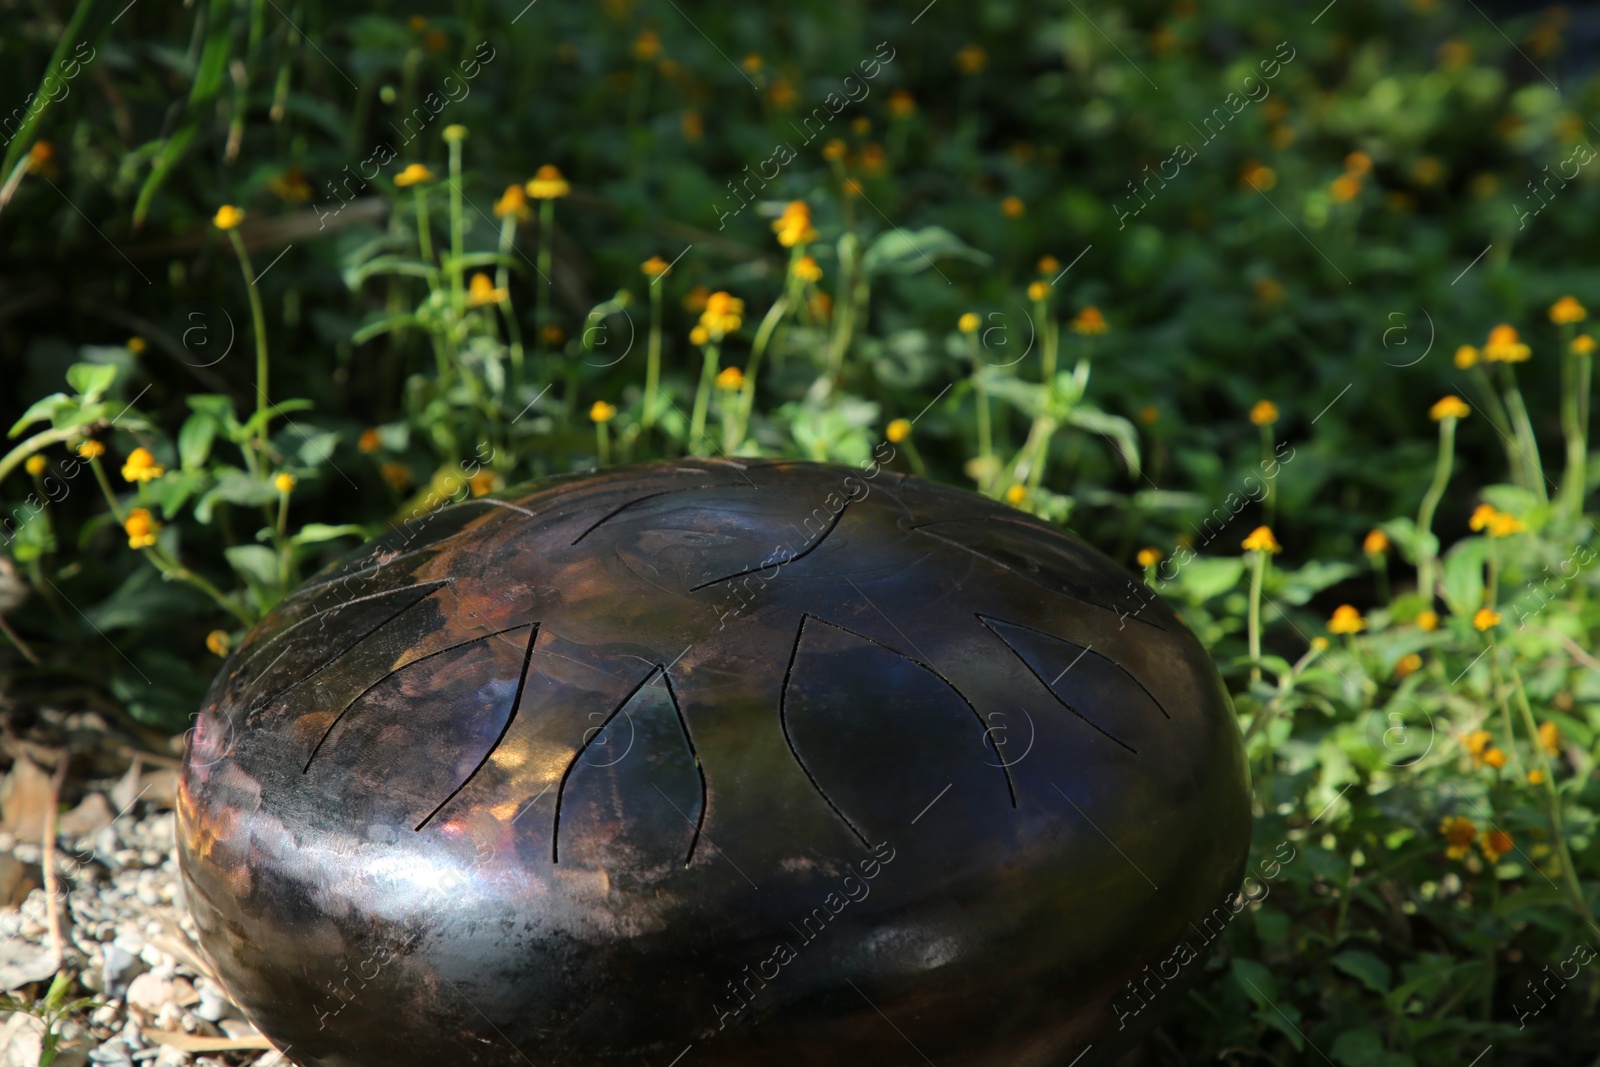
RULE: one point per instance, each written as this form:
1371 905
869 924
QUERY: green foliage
987 258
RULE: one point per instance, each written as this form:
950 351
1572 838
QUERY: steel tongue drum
714 763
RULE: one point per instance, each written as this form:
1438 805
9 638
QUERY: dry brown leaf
24 800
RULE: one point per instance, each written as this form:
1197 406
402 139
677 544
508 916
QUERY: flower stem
1427 555
702 400
547 221
258 319
1258 578
1527 445
652 370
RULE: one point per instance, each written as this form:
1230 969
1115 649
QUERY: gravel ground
126 936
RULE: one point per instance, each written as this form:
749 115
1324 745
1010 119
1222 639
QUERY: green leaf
259 420
235 487
41 410
1366 968
172 150
387 324
897 251
316 532
256 564
1364 1048
1117 428
214 59
404 265
1463 575
1200 579
194 440
91 380
66 37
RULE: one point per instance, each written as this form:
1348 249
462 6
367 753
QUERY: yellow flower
1016 494
455 132
1495 758
968 323
513 202
1503 525
1048 264
1466 356
1150 415
1485 618
1148 557
397 474
141 467
1503 346
1376 543
1428 620
898 430
39 159
647 45
1261 540
481 291
852 187
553 335
695 299
861 125
1460 831
1319 643
547 183
1012 207
414 174
971 59
91 449
284 482
730 378
1566 310
1089 322
217 642
751 64
1265 413
699 335
1550 738
1451 407
1482 516
902 104
1475 743
782 93
835 150
1039 292
692 125
369 441
1346 620
1259 176
724 314
794 227
137 345
36 464
1345 188
1582 345
227 217
482 483
1496 843
602 412
141 527
806 269
654 267
1408 665
1536 777
292 186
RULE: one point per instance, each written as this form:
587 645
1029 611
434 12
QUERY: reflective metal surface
697 763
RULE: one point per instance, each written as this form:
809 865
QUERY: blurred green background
1313 206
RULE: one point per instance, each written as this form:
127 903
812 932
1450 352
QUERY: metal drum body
714 763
